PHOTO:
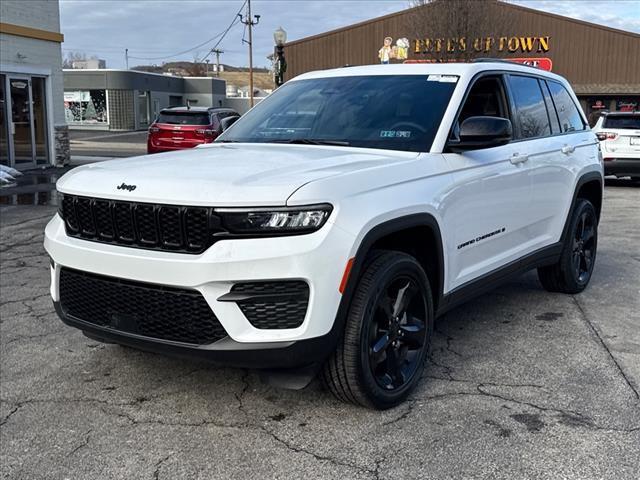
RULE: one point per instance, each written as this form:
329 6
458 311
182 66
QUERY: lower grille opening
273 305
151 310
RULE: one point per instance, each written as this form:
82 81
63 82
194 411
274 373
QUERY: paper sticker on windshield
395 133
443 78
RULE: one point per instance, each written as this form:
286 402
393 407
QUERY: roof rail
501 60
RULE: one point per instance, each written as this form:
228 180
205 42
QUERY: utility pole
250 22
126 57
217 51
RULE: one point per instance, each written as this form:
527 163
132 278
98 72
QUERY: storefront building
602 64
33 132
129 100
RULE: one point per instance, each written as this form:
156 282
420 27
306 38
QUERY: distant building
106 99
91 64
33 131
601 63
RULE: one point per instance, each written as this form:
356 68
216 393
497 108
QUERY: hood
221 174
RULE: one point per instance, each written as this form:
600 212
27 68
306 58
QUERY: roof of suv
197 109
458 69
620 114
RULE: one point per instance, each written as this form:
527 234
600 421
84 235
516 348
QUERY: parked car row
177 128
619 135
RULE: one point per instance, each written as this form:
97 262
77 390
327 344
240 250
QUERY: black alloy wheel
387 334
397 333
573 271
584 246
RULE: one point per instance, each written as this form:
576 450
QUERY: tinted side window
553 116
531 112
568 113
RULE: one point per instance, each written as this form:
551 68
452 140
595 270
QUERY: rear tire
381 355
573 271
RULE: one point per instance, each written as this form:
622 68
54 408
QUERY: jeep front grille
141 225
150 310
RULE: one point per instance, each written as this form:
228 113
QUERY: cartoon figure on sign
386 53
402 48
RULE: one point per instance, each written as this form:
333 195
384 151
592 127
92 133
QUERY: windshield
184 118
394 112
622 121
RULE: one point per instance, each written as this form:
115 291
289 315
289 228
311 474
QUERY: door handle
567 149
516 158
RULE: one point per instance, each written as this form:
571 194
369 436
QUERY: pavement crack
10 414
595 332
156 472
322 458
83 444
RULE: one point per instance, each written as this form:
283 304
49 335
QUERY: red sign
541 63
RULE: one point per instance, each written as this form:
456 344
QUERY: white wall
27 55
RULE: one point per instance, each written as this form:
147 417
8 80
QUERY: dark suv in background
177 128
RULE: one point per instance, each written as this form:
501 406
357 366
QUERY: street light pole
250 22
280 64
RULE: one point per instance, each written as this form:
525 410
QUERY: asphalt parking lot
97 143
521 384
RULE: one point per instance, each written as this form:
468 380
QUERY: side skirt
489 281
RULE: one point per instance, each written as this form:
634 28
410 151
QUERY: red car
177 128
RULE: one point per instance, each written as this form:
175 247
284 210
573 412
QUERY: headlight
274 220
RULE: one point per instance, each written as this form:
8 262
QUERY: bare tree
71 57
458 30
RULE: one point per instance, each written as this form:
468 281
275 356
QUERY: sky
157 31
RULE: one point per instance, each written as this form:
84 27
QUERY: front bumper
318 259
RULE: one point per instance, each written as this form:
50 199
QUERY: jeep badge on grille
124 186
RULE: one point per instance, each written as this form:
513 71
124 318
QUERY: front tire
573 271
387 336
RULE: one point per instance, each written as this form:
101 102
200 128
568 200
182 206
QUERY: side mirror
482 132
226 122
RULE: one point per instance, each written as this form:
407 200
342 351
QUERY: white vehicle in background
619 135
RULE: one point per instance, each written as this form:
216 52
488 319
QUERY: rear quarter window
622 122
184 118
568 113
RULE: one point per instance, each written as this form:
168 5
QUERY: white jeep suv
328 227
619 135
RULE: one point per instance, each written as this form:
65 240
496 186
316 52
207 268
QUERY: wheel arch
589 186
405 234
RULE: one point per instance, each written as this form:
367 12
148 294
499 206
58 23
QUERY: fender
587 177
376 233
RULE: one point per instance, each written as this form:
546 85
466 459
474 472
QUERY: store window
628 104
88 107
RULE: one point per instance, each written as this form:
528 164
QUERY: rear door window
184 118
531 111
568 113
622 121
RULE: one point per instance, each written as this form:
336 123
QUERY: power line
221 35
235 20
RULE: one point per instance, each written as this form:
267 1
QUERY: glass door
21 121
4 124
39 114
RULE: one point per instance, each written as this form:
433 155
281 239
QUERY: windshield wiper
312 141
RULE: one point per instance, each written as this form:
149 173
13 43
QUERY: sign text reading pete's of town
481 44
